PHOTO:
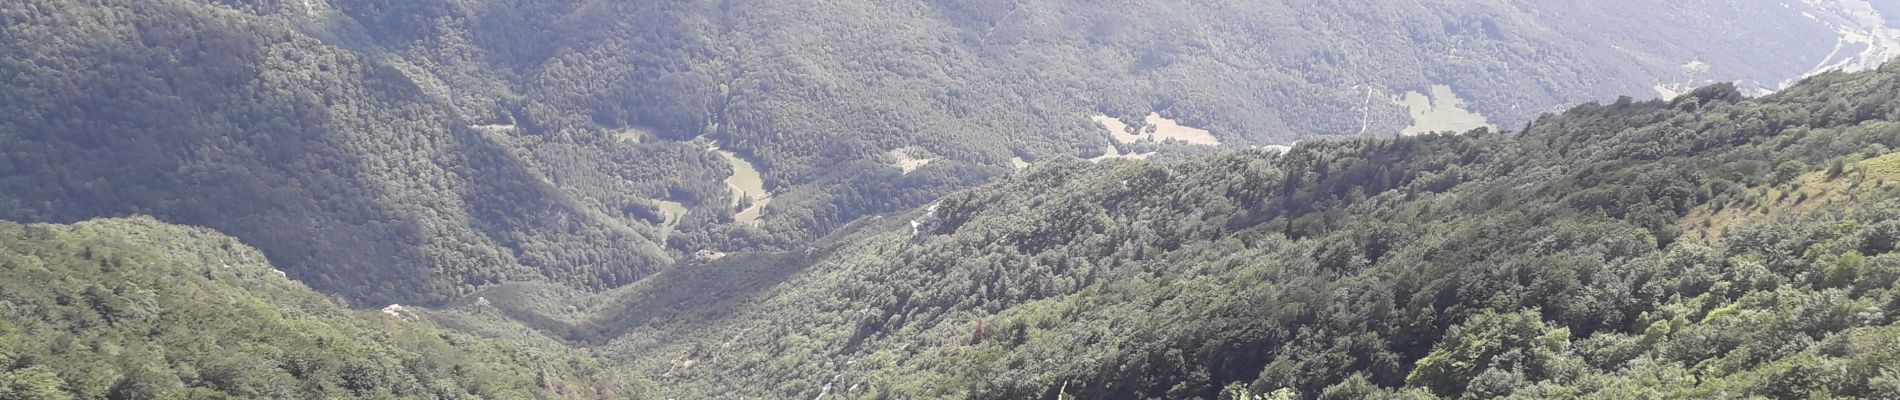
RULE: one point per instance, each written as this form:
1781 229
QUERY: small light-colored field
631 135
1440 111
1116 129
908 160
671 212
494 128
1665 92
746 184
1159 129
1167 129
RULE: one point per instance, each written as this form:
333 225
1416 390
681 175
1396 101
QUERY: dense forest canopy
1711 246
925 199
418 151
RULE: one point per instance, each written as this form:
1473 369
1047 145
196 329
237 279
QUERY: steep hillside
1711 246
417 151
138 309
805 85
336 163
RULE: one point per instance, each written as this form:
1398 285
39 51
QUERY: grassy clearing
1806 193
1439 111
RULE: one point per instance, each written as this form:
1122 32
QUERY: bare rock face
921 228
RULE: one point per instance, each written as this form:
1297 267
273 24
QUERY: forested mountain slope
804 85
503 157
419 150
138 309
334 162
1711 246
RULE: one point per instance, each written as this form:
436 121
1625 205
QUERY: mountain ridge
441 146
569 199
1571 260
137 308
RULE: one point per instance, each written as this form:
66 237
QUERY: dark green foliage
1492 351
1624 250
340 166
1712 245
419 150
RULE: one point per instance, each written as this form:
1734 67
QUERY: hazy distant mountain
1708 247
928 199
419 150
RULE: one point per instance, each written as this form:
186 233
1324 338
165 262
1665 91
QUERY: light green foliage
417 151
434 149
1845 270
31 383
1504 343
1550 263
137 309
